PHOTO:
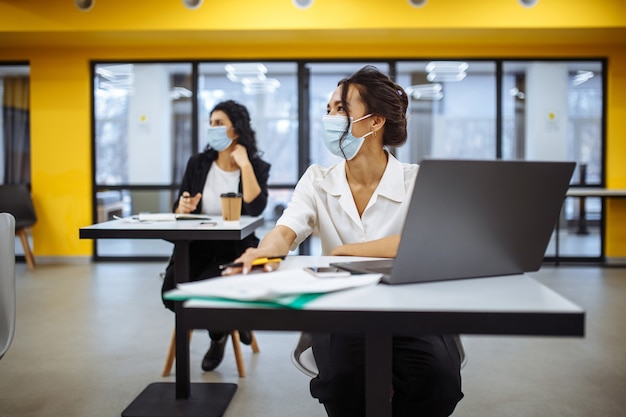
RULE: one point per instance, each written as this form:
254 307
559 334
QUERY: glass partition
147 124
452 109
553 110
142 122
269 90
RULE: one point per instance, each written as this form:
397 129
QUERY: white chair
303 360
7 281
302 356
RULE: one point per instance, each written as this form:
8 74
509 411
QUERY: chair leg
254 345
241 368
171 354
28 254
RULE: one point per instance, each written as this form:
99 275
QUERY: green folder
291 301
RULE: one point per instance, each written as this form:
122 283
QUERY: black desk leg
182 399
378 381
181 272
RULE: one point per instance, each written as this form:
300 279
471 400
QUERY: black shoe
245 336
215 354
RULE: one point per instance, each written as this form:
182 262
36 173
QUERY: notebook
170 217
471 218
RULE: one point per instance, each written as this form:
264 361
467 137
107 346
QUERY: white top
323 202
218 182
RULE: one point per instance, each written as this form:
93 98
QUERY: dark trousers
205 257
426 375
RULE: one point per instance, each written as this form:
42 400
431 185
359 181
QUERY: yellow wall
59 42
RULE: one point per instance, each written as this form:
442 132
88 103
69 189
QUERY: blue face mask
217 138
334 126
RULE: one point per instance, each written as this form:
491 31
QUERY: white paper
272 285
170 217
157 217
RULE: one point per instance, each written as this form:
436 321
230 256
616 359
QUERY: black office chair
16 199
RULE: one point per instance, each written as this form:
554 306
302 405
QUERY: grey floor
91 337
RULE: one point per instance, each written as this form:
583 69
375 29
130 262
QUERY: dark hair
382 97
240 118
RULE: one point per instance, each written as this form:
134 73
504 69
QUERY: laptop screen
470 218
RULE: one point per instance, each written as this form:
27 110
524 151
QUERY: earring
374 133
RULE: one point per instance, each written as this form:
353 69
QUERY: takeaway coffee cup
231 207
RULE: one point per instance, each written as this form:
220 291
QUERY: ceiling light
447 66
527 3
425 91
238 72
582 76
516 93
84 5
256 86
302 4
180 92
445 77
446 71
192 4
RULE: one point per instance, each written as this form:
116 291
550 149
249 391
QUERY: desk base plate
159 400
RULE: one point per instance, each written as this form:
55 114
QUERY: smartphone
327 271
206 225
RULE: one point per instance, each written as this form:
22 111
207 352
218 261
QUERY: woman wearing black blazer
230 163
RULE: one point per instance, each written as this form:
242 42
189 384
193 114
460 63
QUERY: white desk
181 398
508 305
582 193
179 230
595 192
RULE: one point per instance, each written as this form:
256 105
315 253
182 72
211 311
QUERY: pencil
256 262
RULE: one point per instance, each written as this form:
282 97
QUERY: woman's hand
247 258
275 243
240 156
187 203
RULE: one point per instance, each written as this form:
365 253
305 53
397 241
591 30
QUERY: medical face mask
334 126
217 138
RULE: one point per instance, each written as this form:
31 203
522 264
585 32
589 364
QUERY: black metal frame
303 130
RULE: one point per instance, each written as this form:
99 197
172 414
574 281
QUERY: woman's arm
386 247
275 243
189 205
249 182
254 177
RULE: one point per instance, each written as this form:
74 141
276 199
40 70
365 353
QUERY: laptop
475 218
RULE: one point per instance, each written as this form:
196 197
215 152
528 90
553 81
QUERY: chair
302 355
7 281
16 199
241 368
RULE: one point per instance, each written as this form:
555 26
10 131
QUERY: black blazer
195 176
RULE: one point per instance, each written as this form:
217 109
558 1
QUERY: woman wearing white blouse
358 207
